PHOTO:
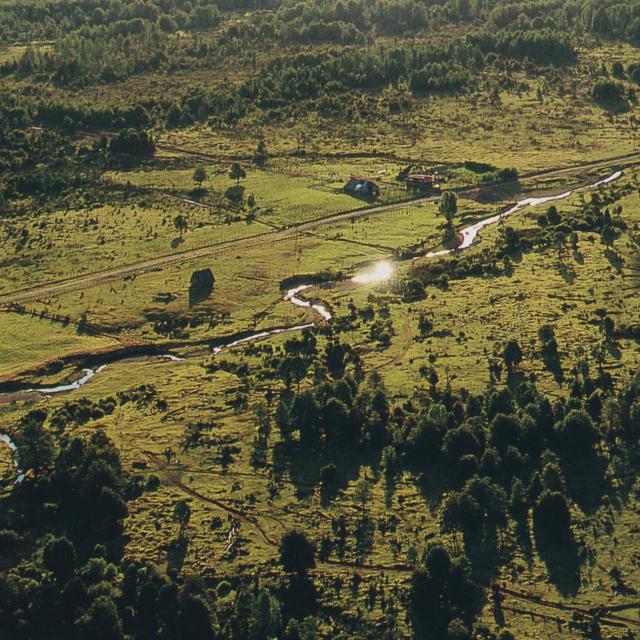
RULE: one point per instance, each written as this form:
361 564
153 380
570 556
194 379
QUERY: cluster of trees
43 163
483 443
611 18
100 55
609 92
592 216
345 22
543 46
443 599
506 454
424 68
132 142
53 19
326 20
620 20
356 22
336 412
40 163
344 407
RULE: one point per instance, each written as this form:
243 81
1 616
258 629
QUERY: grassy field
27 341
472 318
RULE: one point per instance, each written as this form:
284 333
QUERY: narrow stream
379 272
469 234
292 297
7 441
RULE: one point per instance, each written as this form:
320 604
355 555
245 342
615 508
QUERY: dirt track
86 280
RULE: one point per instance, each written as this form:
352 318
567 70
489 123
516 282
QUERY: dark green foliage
59 557
578 435
440 592
608 91
101 621
297 553
540 45
132 142
194 620
551 513
512 354
36 446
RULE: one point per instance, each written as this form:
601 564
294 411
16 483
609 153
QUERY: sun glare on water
382 271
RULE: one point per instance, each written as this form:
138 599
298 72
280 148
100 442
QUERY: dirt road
87 280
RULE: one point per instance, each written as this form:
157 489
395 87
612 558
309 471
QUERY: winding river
469 234
377 273
6 440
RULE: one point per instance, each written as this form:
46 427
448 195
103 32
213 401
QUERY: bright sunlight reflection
381 271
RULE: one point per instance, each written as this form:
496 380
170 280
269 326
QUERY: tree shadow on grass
199 294
303 464
524 539
198 193
568 273
615 259
176 553
586 483
299 597
559 552
515 378
613 350
554 366
497 193
483 550
389 490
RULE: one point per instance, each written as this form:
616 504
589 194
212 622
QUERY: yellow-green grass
293 198
142 434
488 310
66 243
87 240
520 131
247 280
482 313
28 341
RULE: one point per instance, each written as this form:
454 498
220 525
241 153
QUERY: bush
608 91
153 482
235 193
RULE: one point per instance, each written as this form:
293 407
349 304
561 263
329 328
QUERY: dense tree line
109 54
430 68
355 21
539 45
46 163
53 19
40 164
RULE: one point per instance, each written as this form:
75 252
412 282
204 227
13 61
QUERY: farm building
362 187
423 181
